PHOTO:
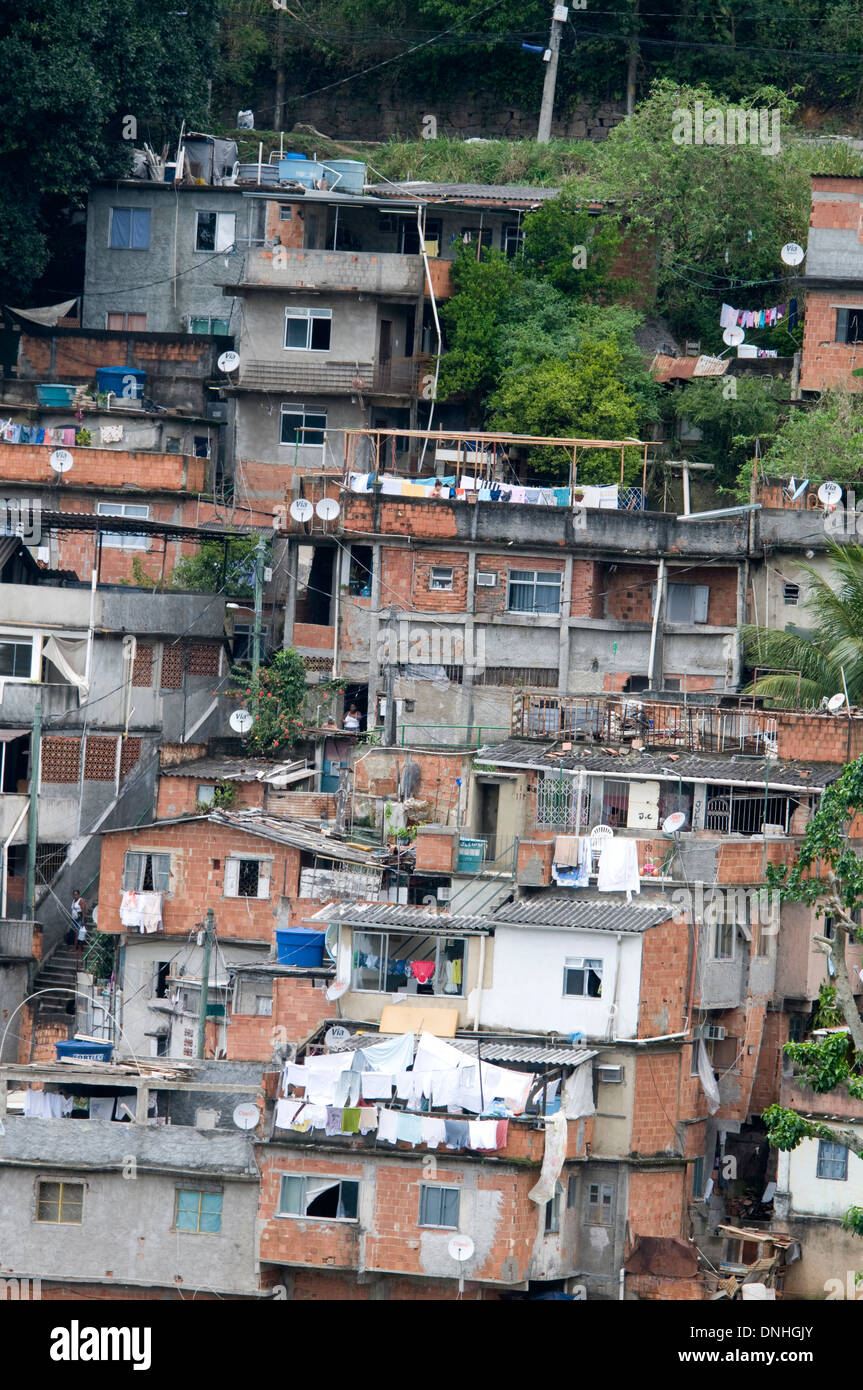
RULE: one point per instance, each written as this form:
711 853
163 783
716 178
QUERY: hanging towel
286 1112
334 1119
567 850
111 434
433 1133
727 316
552 1159
376 1086
351 1121
410 1129
69 437
502 1132
577 1094
394 1055
618 867
388 1122
130 911
482 1134
150 905
368 1118
707 1079
456 1133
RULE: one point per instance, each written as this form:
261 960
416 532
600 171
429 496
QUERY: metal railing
601 718
503 866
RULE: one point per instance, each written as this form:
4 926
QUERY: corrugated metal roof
225 769
665 368
589 913
397 916
488 192
779 774
491 1049
283 832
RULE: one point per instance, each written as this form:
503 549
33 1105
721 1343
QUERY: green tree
729 422
274 698
210 570
581 396
69 74
554 237
820 441
828 877
808 667
472 320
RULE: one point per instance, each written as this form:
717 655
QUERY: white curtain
69 655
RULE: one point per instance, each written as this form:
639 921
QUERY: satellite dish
228 362
829 494
302 510
246 1114
791 253
331 940
336 1036
733 336
461 1248
95 915
241 721
673 823
336 990
328 509
835 702
61 460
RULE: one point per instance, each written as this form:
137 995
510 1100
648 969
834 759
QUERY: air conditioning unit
609 1076
712 1032
216 410
444 893
486 579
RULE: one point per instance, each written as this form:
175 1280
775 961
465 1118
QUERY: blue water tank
298 946
126 382
298 169
353 175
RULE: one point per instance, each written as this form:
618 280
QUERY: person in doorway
352 718
79 920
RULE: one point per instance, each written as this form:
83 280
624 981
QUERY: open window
146 873
582 978
360 573
315 576
14 760
334 1199
389 963
849 325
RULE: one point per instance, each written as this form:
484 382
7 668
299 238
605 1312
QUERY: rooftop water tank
353 175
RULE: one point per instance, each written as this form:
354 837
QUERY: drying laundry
422 970
388 1123
130 910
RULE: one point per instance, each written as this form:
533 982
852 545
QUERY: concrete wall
527 993
120 1239
170 279
809 1195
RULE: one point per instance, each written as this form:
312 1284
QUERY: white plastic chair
599 835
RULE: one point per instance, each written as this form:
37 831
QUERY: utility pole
390 716
33 819
559 16
209 935
259 603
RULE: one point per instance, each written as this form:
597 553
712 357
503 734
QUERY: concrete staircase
58 974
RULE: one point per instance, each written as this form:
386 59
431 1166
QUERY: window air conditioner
609 1075
712 1032
486 579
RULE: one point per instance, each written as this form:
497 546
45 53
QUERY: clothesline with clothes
393 1126
442 489
59 436
730 317
617 867
141 910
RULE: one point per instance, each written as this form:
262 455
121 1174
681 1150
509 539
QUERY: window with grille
247 878
198 1211
615 802
533 591
791 595
849 325
723 940
207 325
832 1161
126 323
146 873
308 330
60 1203
439 1206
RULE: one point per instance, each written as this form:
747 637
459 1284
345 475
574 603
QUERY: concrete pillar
287 551
563 635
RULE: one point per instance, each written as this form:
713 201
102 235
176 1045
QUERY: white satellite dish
336 1036
241 721
331 940
835 702
302 510
829 494
336 990
61 460
733 336
328 509
460 1248
674 822
228 362
791 253
246 1114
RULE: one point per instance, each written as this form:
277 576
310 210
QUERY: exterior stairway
58 974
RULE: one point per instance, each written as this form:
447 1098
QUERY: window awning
7 734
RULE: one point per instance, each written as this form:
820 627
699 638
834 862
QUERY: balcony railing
401 376
599 719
